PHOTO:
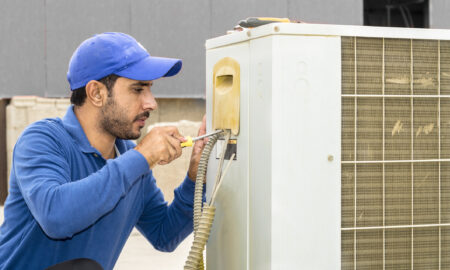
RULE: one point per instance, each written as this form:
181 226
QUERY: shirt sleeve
62 207
167 226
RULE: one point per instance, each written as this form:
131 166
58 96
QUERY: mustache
144 114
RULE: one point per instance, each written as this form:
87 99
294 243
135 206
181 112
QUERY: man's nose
149 102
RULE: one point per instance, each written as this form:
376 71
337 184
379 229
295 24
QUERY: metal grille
395 154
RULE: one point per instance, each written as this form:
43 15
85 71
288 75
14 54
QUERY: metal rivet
276 29
330 158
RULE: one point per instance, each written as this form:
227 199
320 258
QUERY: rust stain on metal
422 180
361 215
399 80
427 129
426 80
397 128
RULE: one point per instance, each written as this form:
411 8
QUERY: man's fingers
174 147
173 131
175 143
202 129
199 145
161 145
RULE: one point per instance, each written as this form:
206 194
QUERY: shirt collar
73 126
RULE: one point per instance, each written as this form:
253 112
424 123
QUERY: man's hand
197 151
161 145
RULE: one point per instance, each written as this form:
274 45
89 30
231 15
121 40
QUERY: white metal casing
283 196
269 212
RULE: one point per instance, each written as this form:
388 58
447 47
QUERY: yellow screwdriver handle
188 142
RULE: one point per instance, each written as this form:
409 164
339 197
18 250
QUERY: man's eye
138 89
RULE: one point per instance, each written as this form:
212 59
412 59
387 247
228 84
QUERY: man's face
127 108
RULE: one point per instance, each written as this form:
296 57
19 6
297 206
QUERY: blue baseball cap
120 54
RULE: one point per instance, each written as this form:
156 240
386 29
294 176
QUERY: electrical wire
222 158
217 186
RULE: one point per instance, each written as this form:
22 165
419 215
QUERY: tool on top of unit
253 22
258 21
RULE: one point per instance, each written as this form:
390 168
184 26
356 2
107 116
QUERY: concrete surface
138 254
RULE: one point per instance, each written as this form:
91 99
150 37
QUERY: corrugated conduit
204 216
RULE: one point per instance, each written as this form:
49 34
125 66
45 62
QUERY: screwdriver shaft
206 135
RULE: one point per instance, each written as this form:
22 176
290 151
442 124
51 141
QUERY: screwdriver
258 21
190 141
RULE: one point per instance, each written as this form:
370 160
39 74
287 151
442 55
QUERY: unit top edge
326 30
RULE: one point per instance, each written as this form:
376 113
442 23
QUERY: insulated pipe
201 235
195 258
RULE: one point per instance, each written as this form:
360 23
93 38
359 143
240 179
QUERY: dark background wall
38 37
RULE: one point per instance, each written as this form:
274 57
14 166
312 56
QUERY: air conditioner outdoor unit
343 149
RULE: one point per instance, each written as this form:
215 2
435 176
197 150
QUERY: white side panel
260 128
305 135
227 247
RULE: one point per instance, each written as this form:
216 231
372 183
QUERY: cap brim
151 68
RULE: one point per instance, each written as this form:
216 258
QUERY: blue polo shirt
65 201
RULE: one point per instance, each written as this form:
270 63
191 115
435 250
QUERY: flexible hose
200 180
195 258
201 235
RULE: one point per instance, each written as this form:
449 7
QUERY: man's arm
60 206
166 226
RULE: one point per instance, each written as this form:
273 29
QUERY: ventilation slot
395 194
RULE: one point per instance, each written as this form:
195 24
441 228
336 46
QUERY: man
78 186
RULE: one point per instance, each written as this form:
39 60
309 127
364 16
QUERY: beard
116 122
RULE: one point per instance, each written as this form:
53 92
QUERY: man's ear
96 93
